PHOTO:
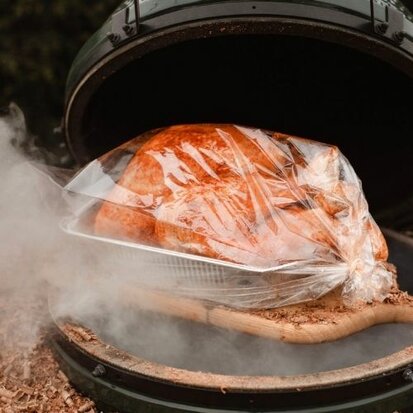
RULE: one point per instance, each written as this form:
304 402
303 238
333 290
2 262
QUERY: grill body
129 384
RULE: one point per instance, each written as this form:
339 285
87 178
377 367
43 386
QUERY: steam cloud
37 257
28 235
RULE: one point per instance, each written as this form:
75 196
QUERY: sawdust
331 308
30 378
398 297
79 333
328 309
44 389
322 311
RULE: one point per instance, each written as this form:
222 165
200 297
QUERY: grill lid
336 71
388 20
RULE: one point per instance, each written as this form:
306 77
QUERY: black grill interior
295 85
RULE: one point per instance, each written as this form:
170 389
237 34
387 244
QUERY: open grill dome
313 69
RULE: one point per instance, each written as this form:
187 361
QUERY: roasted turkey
241 195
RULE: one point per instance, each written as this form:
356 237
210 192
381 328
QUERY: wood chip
6 393
27 390
62 376
86 407
83 333
8 369
67 398
27 371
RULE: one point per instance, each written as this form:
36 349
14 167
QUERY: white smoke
36 257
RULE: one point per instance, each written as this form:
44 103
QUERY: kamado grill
336 71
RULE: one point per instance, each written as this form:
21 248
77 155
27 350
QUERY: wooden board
326 319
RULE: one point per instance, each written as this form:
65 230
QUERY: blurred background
38 42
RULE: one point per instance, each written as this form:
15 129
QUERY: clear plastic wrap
239 216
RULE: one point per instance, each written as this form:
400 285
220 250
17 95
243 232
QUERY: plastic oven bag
239 216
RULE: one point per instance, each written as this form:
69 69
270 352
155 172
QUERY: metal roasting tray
76 227
206 278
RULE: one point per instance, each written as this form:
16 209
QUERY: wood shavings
88 406
6 394
67 398
83 333
317 312
26 370
80 333
30 378
62 376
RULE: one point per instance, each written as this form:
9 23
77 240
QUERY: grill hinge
122 29
392 27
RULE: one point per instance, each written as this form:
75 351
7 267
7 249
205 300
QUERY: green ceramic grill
338 71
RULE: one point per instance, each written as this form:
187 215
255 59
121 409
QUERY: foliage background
38 42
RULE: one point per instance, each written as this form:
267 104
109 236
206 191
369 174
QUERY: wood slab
326 319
